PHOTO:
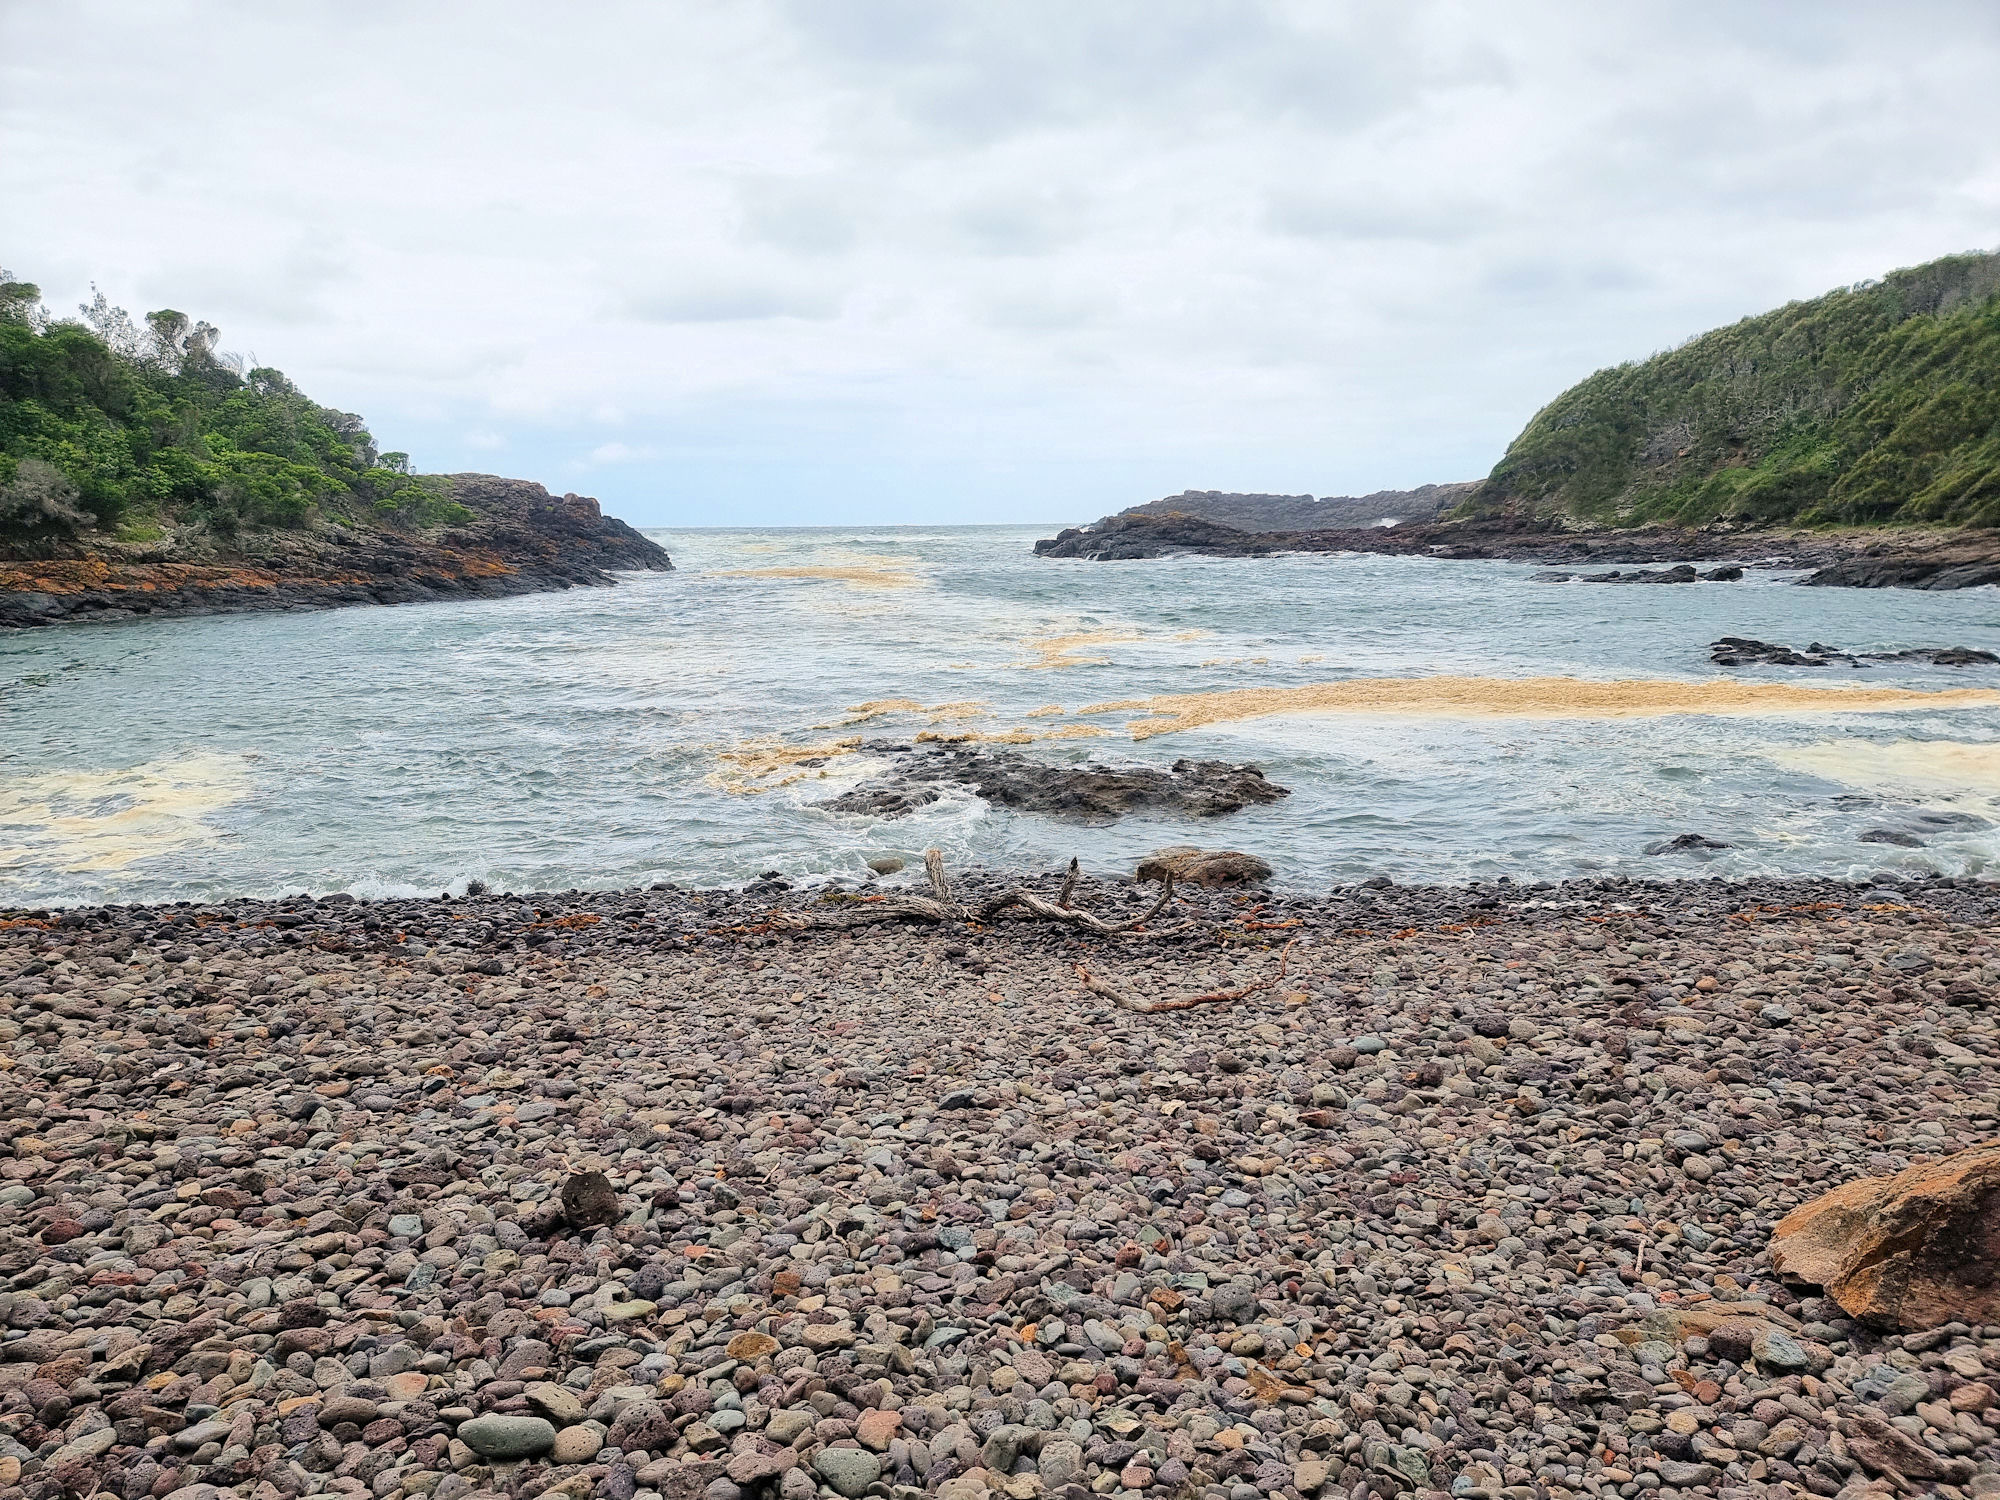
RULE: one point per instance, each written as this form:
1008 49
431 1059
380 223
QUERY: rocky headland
1477 1191
516 539
1305 513
1845 559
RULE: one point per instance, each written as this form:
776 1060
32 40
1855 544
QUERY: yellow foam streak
756 768
858 578
1063 650
875 708
1926 766
1011 736
81 821
1526 698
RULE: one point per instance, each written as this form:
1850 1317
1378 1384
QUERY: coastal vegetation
116 430
1874 404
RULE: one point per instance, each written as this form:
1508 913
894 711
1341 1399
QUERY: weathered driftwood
940 907
1117 996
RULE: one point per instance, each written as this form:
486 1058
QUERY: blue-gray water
583 739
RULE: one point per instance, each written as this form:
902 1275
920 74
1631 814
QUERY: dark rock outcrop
1682 573
1138 535
1739 651
519 540
1092 793
1303 513
1958 563
1917 561
1129 538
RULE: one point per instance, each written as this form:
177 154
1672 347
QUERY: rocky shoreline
1848 559
1477 1199
521 540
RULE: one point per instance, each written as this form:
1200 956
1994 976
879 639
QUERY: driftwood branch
1117 996
1074 915
939 907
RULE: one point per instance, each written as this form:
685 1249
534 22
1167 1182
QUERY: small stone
1775 1348
505 1438
576 1445
751 1345
1060 1462
1235 1301
848 1470
356 1409
828 1336
786 1426
558 1402
588 1198
876 1428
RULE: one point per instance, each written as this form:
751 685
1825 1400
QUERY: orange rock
1910 1251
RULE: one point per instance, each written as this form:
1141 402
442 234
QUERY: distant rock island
1304 513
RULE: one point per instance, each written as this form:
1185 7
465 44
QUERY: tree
112 324
21 302
39 502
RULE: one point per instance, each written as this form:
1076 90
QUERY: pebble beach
1474 1198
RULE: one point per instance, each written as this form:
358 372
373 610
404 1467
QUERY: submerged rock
1093 793
1686 841
1891 836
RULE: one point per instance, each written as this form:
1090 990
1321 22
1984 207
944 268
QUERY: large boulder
1915 1250
1192 866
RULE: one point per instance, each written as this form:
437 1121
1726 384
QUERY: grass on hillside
1876 404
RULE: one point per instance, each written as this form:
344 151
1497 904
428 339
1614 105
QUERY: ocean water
688 726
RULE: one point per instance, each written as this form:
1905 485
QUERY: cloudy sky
912 260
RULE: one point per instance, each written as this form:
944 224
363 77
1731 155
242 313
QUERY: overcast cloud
845 262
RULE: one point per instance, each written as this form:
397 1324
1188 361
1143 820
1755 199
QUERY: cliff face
522 517
1303 512
518 539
